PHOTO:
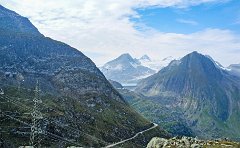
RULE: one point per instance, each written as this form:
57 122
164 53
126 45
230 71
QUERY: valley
190 99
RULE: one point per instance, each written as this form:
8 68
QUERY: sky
104 29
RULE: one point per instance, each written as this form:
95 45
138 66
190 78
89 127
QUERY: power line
68 127
45 133
73 129
48 133
39 101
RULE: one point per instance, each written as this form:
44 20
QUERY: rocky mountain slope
80 107
125 69
170 120
205 95
189 142
13 22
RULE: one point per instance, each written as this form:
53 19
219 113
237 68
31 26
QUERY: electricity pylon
36 130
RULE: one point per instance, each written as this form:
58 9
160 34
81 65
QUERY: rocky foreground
189 142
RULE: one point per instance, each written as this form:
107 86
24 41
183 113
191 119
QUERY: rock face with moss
189 142
204 94
79 105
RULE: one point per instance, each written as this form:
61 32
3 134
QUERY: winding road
115 144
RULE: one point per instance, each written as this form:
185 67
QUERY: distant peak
195 55
145 57
125 56
195 52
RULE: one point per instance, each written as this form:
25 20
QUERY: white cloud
185 21
177 3
102 29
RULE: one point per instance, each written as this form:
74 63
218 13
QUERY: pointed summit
125 56
194 54
145 58
202 65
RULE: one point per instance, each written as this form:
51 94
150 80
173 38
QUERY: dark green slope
80 107
205 95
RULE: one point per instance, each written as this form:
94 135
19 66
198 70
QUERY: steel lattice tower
36 130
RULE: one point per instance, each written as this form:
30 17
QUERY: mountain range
129 71
79 106
75 105
205 96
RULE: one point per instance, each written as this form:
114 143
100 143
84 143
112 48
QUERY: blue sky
192 19
104 29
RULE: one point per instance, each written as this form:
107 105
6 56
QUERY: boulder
157 143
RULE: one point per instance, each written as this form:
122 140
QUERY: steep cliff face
207 94
79 104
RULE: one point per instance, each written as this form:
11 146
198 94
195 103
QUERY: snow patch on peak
117 67
220 66
156 64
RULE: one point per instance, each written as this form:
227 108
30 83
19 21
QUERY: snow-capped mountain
126 70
